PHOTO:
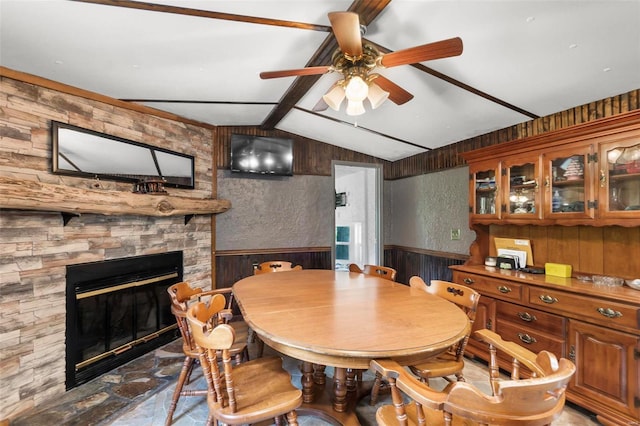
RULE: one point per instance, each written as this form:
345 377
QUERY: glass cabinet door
521 179
568 183
620 178
484 186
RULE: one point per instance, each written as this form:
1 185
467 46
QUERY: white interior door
357 225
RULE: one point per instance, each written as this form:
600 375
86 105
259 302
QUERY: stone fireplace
117 310
38 244
36 248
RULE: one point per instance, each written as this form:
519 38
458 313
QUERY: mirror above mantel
87 153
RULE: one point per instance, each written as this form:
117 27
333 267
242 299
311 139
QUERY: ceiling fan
356 60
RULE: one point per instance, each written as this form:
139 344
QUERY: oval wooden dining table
345 320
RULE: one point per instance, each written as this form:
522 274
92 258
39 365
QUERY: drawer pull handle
609 313
504 289
525 338
526 316
468 281
548 299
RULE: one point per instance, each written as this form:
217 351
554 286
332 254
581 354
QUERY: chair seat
255 400
442 365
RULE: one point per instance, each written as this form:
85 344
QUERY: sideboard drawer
529 338
533 318
604 312
490 286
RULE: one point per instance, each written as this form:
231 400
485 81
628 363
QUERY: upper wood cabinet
568 183
522 195
619 177
484 189
588 174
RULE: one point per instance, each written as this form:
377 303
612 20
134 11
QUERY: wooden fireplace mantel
23 194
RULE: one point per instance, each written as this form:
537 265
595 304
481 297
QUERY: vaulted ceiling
202 60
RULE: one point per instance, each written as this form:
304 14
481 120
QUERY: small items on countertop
635 284
604 280
557 270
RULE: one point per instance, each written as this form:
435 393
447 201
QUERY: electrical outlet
455 234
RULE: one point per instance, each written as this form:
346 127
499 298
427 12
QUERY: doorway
357 224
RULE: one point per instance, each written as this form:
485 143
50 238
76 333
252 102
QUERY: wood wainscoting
428 264
234 265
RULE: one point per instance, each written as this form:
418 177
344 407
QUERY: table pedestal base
334 400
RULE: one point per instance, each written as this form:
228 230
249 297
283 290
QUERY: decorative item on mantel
153 186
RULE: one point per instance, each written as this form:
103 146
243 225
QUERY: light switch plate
455 234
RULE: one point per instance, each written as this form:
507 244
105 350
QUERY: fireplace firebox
118 310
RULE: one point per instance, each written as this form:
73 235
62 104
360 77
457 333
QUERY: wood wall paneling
236 265
540 244
409 262
591 249
612 250
621 256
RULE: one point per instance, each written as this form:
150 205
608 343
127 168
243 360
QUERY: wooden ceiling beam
154 7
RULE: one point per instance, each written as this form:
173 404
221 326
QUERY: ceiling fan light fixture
376 95
357 89
355 107
334 97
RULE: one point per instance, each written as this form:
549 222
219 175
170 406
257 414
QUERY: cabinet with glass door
569 183
483 185
587 175
619 180
520 179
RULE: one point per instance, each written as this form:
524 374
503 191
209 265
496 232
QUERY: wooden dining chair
265 268
275 266
182 295
450 362
251 392
538 400
378 270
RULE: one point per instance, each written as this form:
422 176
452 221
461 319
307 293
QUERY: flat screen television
261 155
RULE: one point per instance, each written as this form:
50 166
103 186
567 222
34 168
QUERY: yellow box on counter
557 270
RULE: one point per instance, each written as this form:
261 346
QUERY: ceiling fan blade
297 72
397 94
346 28
425 52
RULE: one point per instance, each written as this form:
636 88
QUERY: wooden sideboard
575 195
596 327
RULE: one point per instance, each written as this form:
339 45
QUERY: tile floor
139 393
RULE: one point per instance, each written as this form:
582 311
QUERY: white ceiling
539 56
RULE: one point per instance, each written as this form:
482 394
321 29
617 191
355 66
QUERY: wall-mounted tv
262 155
